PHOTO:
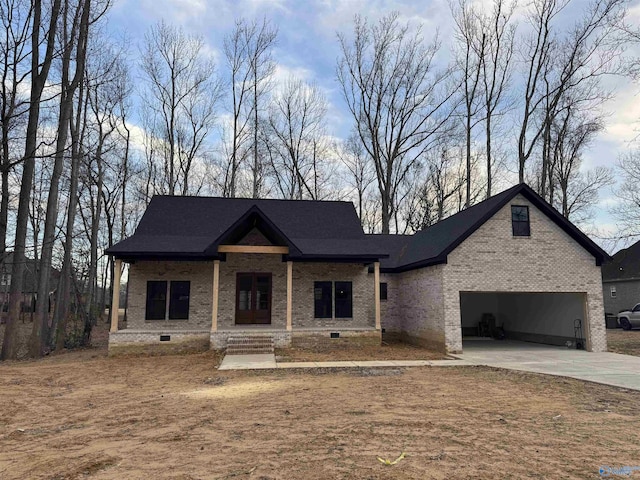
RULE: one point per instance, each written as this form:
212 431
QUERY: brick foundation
128 342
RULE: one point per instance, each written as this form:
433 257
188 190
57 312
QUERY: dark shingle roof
624 265
193 227
432 245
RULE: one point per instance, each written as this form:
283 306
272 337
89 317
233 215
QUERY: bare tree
442 181
248 51
577 190
496 73
399 102
39 74
627 209
14 52
181 94
359 171
471 52
295 136
557 65
76 19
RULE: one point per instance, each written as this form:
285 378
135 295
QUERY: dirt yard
84 415
624 342
386 351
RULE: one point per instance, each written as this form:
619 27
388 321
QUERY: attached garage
547 318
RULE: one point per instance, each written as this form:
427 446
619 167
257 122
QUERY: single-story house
621 280
203 270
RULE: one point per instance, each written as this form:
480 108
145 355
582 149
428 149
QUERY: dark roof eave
367 258
576 234
429 262
133 256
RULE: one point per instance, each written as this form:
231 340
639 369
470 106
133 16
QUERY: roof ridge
247 199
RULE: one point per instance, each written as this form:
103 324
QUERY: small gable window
614 293
383 290
520 221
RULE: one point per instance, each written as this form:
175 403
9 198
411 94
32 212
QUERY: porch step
247 344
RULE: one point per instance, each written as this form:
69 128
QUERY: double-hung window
167 297
333 300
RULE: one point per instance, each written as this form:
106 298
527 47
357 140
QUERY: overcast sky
307 47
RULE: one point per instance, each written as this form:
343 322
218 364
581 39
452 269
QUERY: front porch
249 291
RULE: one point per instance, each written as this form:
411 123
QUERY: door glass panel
244 292
262 292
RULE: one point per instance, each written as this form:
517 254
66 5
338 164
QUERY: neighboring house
621 280
29 286
204 269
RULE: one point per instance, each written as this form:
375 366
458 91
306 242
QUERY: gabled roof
432 245
193 227
624 265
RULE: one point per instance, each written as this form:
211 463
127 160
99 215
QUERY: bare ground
84 415
387 351
626 342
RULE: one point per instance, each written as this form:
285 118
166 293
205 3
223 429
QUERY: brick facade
200 274
363 291
189 335
423 306
415 310
492 259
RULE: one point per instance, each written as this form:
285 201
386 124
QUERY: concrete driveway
607 368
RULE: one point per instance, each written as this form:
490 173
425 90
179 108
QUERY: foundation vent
335 334
165 338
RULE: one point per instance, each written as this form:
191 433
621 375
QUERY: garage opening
547 318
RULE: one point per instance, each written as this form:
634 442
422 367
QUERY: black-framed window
322 299
179 300
343 300
156 300
383 290
520 221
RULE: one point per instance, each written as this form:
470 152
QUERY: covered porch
250 290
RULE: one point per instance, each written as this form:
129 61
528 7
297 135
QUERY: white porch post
289 294
214 303
376 281
115 295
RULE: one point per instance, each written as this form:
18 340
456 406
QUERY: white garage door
532 317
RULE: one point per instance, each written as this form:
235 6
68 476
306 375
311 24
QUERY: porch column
289 294
115 295
376 281
214 302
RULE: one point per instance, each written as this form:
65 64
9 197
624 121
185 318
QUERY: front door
253 298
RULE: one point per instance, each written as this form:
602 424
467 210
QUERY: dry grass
626 342
386 351
84 415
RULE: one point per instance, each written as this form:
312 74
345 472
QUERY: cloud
622 125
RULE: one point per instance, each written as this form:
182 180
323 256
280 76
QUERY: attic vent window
614 293
520 221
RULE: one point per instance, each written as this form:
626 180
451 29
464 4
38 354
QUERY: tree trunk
39 78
